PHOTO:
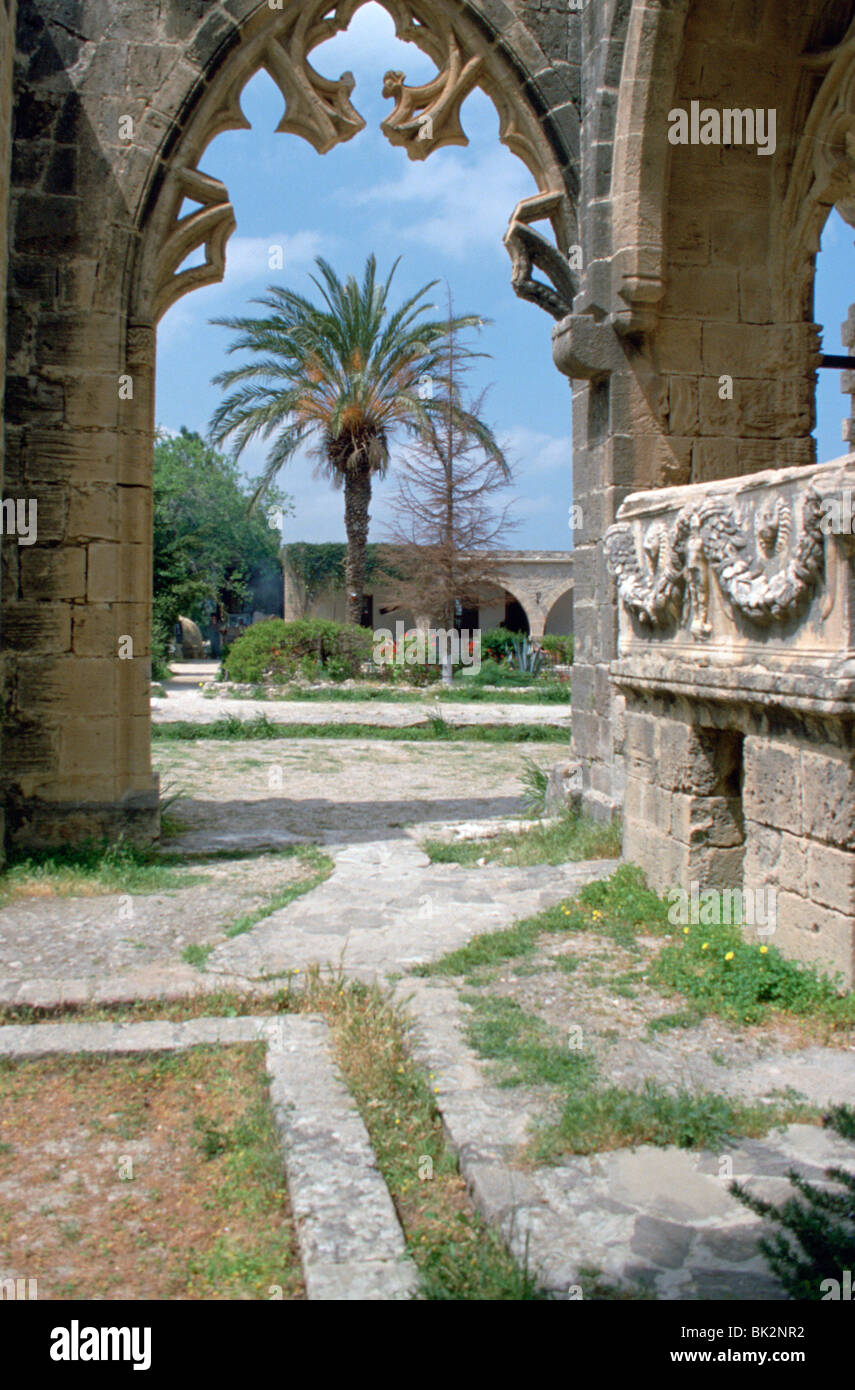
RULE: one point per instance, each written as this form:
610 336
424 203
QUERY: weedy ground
100 867
593 1007
458 1256
565 840
146 1177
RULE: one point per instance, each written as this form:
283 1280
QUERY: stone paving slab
351 1243
32 1040
655 1219
384 909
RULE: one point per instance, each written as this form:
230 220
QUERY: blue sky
834 291
445 216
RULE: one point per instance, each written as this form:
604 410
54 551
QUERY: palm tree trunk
357 499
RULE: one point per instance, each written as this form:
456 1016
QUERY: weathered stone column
7 54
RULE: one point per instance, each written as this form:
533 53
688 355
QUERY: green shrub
311 647
560 647
527 658
821 1222
492 673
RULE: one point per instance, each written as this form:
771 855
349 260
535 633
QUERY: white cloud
533 451
368 42
249 258
247 261
466 200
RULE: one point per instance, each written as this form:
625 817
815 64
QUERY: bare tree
447 514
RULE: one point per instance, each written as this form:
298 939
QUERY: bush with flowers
722 972
313 648
405 662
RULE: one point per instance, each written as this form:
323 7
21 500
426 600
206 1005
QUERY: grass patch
320 865
568 840
488 949
502 1032
197 955
665 1023
621 906
595 1118
90 868
231 729
463 692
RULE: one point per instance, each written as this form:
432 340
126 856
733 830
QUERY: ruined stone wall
737 665
7 52
729 796
691 343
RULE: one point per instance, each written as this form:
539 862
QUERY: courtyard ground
288 854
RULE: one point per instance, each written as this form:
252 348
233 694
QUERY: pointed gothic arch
114 119
281 41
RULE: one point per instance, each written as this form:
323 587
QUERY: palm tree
343 376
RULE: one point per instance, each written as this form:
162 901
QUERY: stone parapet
741 584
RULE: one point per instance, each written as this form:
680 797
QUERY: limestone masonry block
831 877
707 820
828 797
816 934
53 574
770 793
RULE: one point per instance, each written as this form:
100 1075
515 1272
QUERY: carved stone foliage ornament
529 250
670 581
424 118
210 225
428 117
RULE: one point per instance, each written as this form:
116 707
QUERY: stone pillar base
37 824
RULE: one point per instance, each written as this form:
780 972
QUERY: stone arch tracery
424 118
